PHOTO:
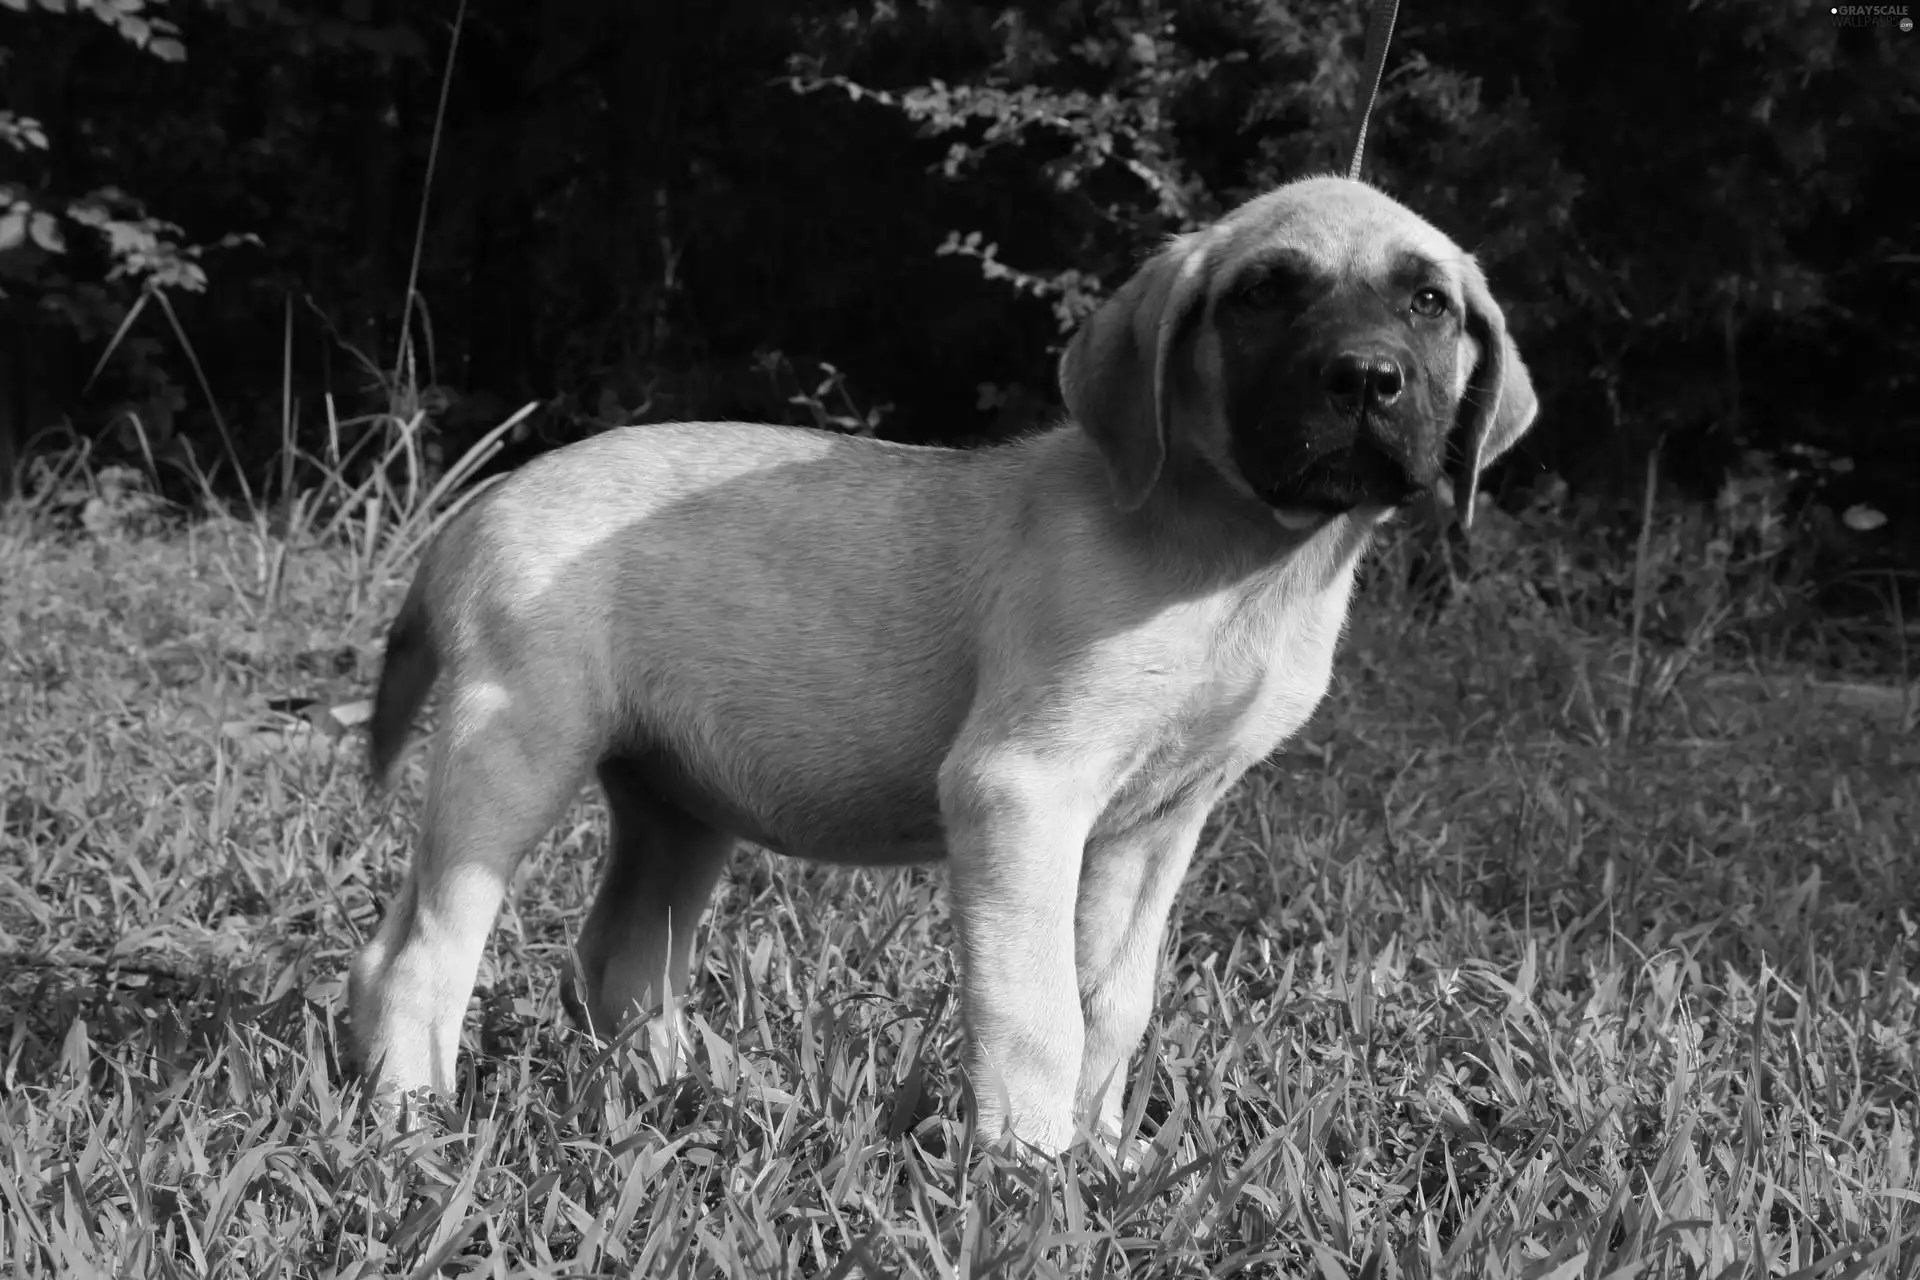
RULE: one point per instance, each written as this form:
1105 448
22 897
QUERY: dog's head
1318 347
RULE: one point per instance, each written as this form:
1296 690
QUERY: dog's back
650 574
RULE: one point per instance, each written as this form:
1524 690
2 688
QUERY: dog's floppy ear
1499 404
1114 375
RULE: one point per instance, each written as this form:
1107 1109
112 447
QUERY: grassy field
1503 969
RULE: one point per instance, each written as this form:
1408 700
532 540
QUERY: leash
1379 35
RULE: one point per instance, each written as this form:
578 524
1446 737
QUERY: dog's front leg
1127 888
1015 833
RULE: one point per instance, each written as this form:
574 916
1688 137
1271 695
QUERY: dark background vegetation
1699 216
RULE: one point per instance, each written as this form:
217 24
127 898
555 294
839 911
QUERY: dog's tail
407 674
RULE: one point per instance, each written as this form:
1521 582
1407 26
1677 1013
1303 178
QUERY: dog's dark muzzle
1377 461
1371 471
1351 421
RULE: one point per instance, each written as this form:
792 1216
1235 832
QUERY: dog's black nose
1360 380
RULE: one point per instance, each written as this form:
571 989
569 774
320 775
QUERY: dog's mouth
1299 517
1333 485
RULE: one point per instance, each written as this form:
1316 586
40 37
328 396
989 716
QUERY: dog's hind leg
505 765
661 865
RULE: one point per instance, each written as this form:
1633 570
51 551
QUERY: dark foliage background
1698 214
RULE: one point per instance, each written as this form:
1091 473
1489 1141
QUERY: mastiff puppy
1041 662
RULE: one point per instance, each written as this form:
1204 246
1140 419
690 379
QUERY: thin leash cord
1379 36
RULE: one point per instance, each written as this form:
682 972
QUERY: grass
1503 969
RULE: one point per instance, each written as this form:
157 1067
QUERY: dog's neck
1200 529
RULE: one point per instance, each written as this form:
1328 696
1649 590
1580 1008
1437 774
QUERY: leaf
47 234
13 228
22 132
1567 1269
168 49
76 1052
1862 518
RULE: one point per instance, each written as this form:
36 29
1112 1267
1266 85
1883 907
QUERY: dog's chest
1262 680
1235 682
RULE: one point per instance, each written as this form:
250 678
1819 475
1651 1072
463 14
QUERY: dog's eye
1429 302
1263 294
